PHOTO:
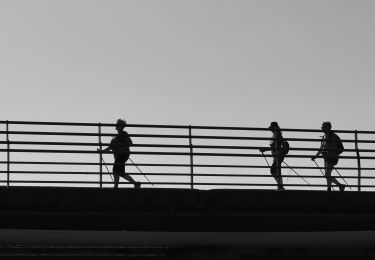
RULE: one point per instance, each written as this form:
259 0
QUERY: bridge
208 194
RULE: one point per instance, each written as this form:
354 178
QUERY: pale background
226 63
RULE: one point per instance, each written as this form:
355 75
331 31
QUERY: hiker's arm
104 150
264 149
107 149
319 151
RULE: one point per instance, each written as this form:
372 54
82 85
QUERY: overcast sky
199 62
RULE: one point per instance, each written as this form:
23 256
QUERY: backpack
339 145
285 146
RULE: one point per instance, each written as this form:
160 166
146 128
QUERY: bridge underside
189 223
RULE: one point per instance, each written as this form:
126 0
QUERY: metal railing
202 157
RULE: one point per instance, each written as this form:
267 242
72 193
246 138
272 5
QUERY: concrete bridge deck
189 224
185 210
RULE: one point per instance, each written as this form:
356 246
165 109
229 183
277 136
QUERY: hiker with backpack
331 148
279 147
120 146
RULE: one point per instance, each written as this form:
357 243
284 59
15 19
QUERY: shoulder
335 136
125 135
114 139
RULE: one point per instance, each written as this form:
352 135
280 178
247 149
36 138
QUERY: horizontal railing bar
54 133
269 138
183 183
53 163
178 126
177 136
184 174
89 134
172 153
281 129
173 146
164 183
153 135
91 124
184 165
147 135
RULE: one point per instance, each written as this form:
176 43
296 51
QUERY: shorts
119 164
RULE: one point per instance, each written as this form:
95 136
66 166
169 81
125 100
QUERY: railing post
100 155
358 160
8 153
191 160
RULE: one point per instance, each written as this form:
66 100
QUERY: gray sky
199 62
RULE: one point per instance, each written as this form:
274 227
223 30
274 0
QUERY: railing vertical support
358 160
191 160
8 153
100 155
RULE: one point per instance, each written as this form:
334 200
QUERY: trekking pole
297 173
140 171
105 164
343 179
269 164
265 158
321 170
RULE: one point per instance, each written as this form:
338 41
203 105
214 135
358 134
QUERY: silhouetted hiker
279 148
120 147
330 148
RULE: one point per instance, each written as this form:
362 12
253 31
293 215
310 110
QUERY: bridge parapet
185 210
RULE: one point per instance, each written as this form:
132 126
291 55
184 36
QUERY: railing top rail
179 126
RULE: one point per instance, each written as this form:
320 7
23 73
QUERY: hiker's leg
116 173
335 181
328 171
116 179
128 178
280 177
123 173
276 174
330 165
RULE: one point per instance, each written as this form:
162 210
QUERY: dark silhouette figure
278 151
331 147
120 146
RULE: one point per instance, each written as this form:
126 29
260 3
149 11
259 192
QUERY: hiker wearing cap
277 150
120 147
331 147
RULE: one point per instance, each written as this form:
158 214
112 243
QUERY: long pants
276 171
